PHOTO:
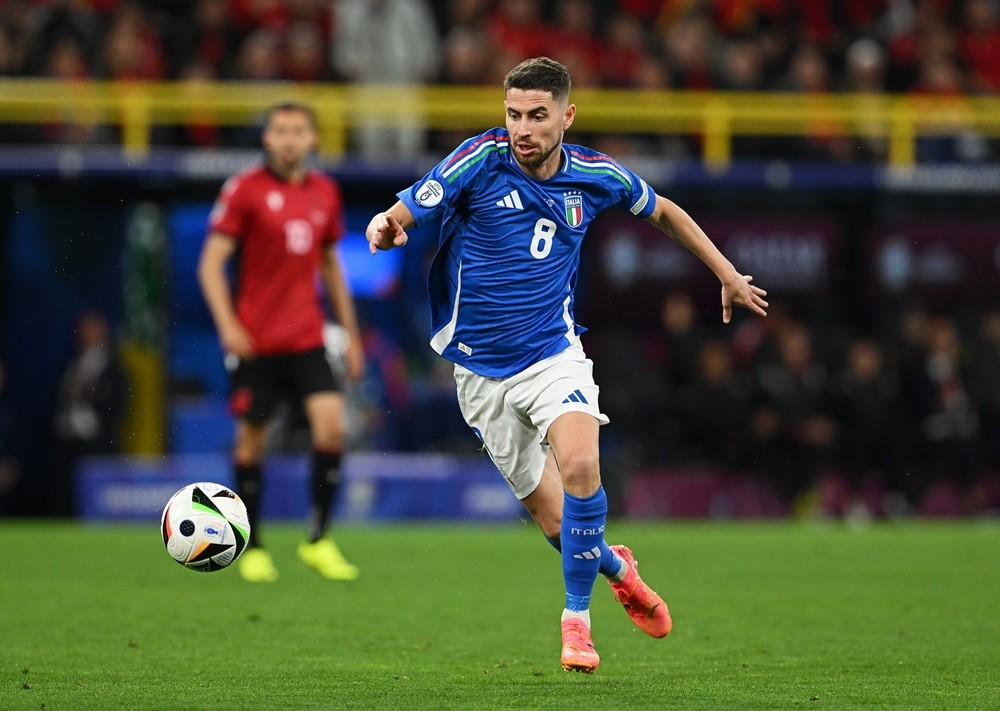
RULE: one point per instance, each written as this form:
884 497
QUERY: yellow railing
714 116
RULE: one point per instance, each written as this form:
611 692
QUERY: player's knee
248 448
580 473
328 436
249 442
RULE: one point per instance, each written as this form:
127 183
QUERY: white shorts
512 415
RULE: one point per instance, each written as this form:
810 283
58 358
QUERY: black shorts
259 383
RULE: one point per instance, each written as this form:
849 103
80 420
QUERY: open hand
741 292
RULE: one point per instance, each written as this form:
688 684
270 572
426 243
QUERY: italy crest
574 208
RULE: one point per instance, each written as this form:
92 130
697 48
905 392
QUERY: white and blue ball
205 526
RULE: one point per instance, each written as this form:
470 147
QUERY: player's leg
573 437
564 407
325 414
545 504
252 401
324 407
490 407
248 451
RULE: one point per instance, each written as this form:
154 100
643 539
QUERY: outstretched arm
388 229
670 219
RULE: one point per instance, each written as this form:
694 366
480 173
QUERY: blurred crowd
902 420
908 420
800 45
935 47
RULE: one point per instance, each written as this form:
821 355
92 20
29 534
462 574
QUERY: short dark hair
540 73
284 106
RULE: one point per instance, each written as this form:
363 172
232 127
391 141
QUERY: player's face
288 138
536 123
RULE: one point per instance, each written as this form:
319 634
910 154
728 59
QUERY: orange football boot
578 653
647 609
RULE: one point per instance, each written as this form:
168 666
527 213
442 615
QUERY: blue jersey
502 283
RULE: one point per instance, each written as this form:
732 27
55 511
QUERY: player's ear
568 116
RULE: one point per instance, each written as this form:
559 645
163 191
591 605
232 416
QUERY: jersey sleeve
441 188
639 198
229 214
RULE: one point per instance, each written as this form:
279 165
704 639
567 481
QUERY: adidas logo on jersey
511 200
593 553
576 396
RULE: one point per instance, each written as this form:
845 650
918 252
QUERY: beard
535 160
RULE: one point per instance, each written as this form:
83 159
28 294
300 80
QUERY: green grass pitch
766 616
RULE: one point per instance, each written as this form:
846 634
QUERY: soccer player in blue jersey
514 206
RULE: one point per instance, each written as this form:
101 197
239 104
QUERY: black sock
248 477
325 485
556 541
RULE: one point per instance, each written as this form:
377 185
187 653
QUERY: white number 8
541 242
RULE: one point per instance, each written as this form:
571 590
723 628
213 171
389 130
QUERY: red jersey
282 229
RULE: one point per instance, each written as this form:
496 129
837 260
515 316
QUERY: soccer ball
205 526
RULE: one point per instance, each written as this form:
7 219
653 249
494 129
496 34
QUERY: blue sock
583 546
610 563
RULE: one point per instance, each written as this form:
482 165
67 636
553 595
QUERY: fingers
377 232
755 289
750 298
385 232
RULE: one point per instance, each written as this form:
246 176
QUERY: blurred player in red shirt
281 220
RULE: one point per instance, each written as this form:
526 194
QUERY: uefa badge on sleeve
430 193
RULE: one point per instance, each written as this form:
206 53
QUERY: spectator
573 41
15 37
794 432
206 36
865 76
986 376
688 45
979 44
65 61
465 13
518 30
90 406
464 59
742 66
66 20
809 74
682 339
947 417
196 80
626 45
362 54
943 105
259 58
871 426
712 409
132 50
9 65
305 54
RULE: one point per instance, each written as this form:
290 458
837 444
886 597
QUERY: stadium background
843 153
